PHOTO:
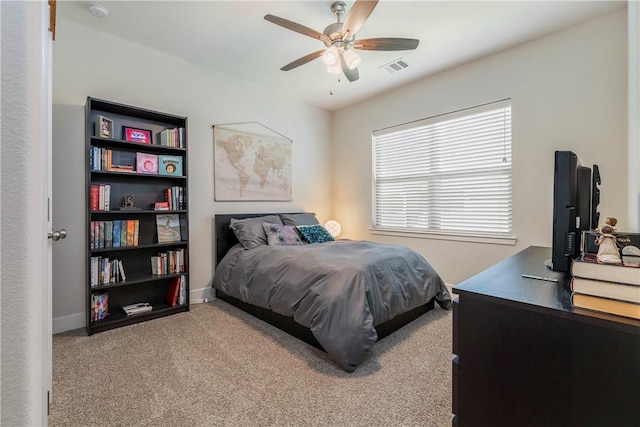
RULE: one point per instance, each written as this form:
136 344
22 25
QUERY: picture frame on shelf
103 127
168 227
147 163
136 135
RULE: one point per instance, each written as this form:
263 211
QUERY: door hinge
48 402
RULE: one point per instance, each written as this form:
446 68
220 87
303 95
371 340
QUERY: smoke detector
98 10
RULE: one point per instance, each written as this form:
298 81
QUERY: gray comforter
340 290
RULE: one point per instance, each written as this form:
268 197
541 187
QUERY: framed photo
136 135
104 127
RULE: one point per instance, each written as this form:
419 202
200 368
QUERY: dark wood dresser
523 356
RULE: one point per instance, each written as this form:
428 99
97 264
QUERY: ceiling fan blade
351 75
356 16
386 44
293 26
301 61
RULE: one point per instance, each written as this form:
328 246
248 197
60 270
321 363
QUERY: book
173 291
588 268
107 198
156 268
147 163
131 229
100 197
123 233
123 277
137 308
142 309
100 234
116 233
136 305
95 197
96 235
623 239
100 306
600 288
167 197
182 294
605 305
168 227
170 165
108 234
136 231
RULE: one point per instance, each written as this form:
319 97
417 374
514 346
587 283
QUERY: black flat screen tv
575 201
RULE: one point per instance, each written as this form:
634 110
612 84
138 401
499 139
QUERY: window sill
493 240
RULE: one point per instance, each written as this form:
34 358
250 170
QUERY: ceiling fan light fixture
331 56
351 59
334 68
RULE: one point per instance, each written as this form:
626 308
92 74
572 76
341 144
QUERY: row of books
175 197
169 262
105 271
99 306
106 159
100 195
173 137
176 292
114 234
607 288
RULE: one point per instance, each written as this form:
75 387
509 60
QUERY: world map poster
250 165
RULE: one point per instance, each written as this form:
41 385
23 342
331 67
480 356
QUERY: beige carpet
218 366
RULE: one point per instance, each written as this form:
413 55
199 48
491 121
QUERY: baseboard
201 295
77 321
68 323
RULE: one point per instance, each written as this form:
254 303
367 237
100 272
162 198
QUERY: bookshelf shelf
129 237
141 278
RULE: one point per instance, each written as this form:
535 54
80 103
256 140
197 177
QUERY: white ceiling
233 38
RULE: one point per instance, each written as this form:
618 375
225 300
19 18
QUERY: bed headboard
225 239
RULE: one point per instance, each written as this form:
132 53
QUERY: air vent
397 65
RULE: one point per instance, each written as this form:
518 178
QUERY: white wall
568 91
90 63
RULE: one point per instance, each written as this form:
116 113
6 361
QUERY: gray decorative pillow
299 219
281 234
250 232
315 233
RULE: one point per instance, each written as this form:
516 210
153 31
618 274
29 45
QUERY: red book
172 292
95 197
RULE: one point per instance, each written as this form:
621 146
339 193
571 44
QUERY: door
52 236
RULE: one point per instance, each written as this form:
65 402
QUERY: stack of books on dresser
607 288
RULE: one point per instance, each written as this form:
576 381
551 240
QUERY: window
446 175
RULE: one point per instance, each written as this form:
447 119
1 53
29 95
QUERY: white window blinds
449 174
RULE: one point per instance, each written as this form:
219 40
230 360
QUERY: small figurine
608 249
127 201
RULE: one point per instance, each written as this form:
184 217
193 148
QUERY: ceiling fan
340 39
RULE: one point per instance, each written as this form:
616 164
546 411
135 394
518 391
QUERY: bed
340 296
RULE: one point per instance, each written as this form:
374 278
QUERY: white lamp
333 227
331 56
351 59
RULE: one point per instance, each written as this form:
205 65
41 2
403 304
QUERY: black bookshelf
134 253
